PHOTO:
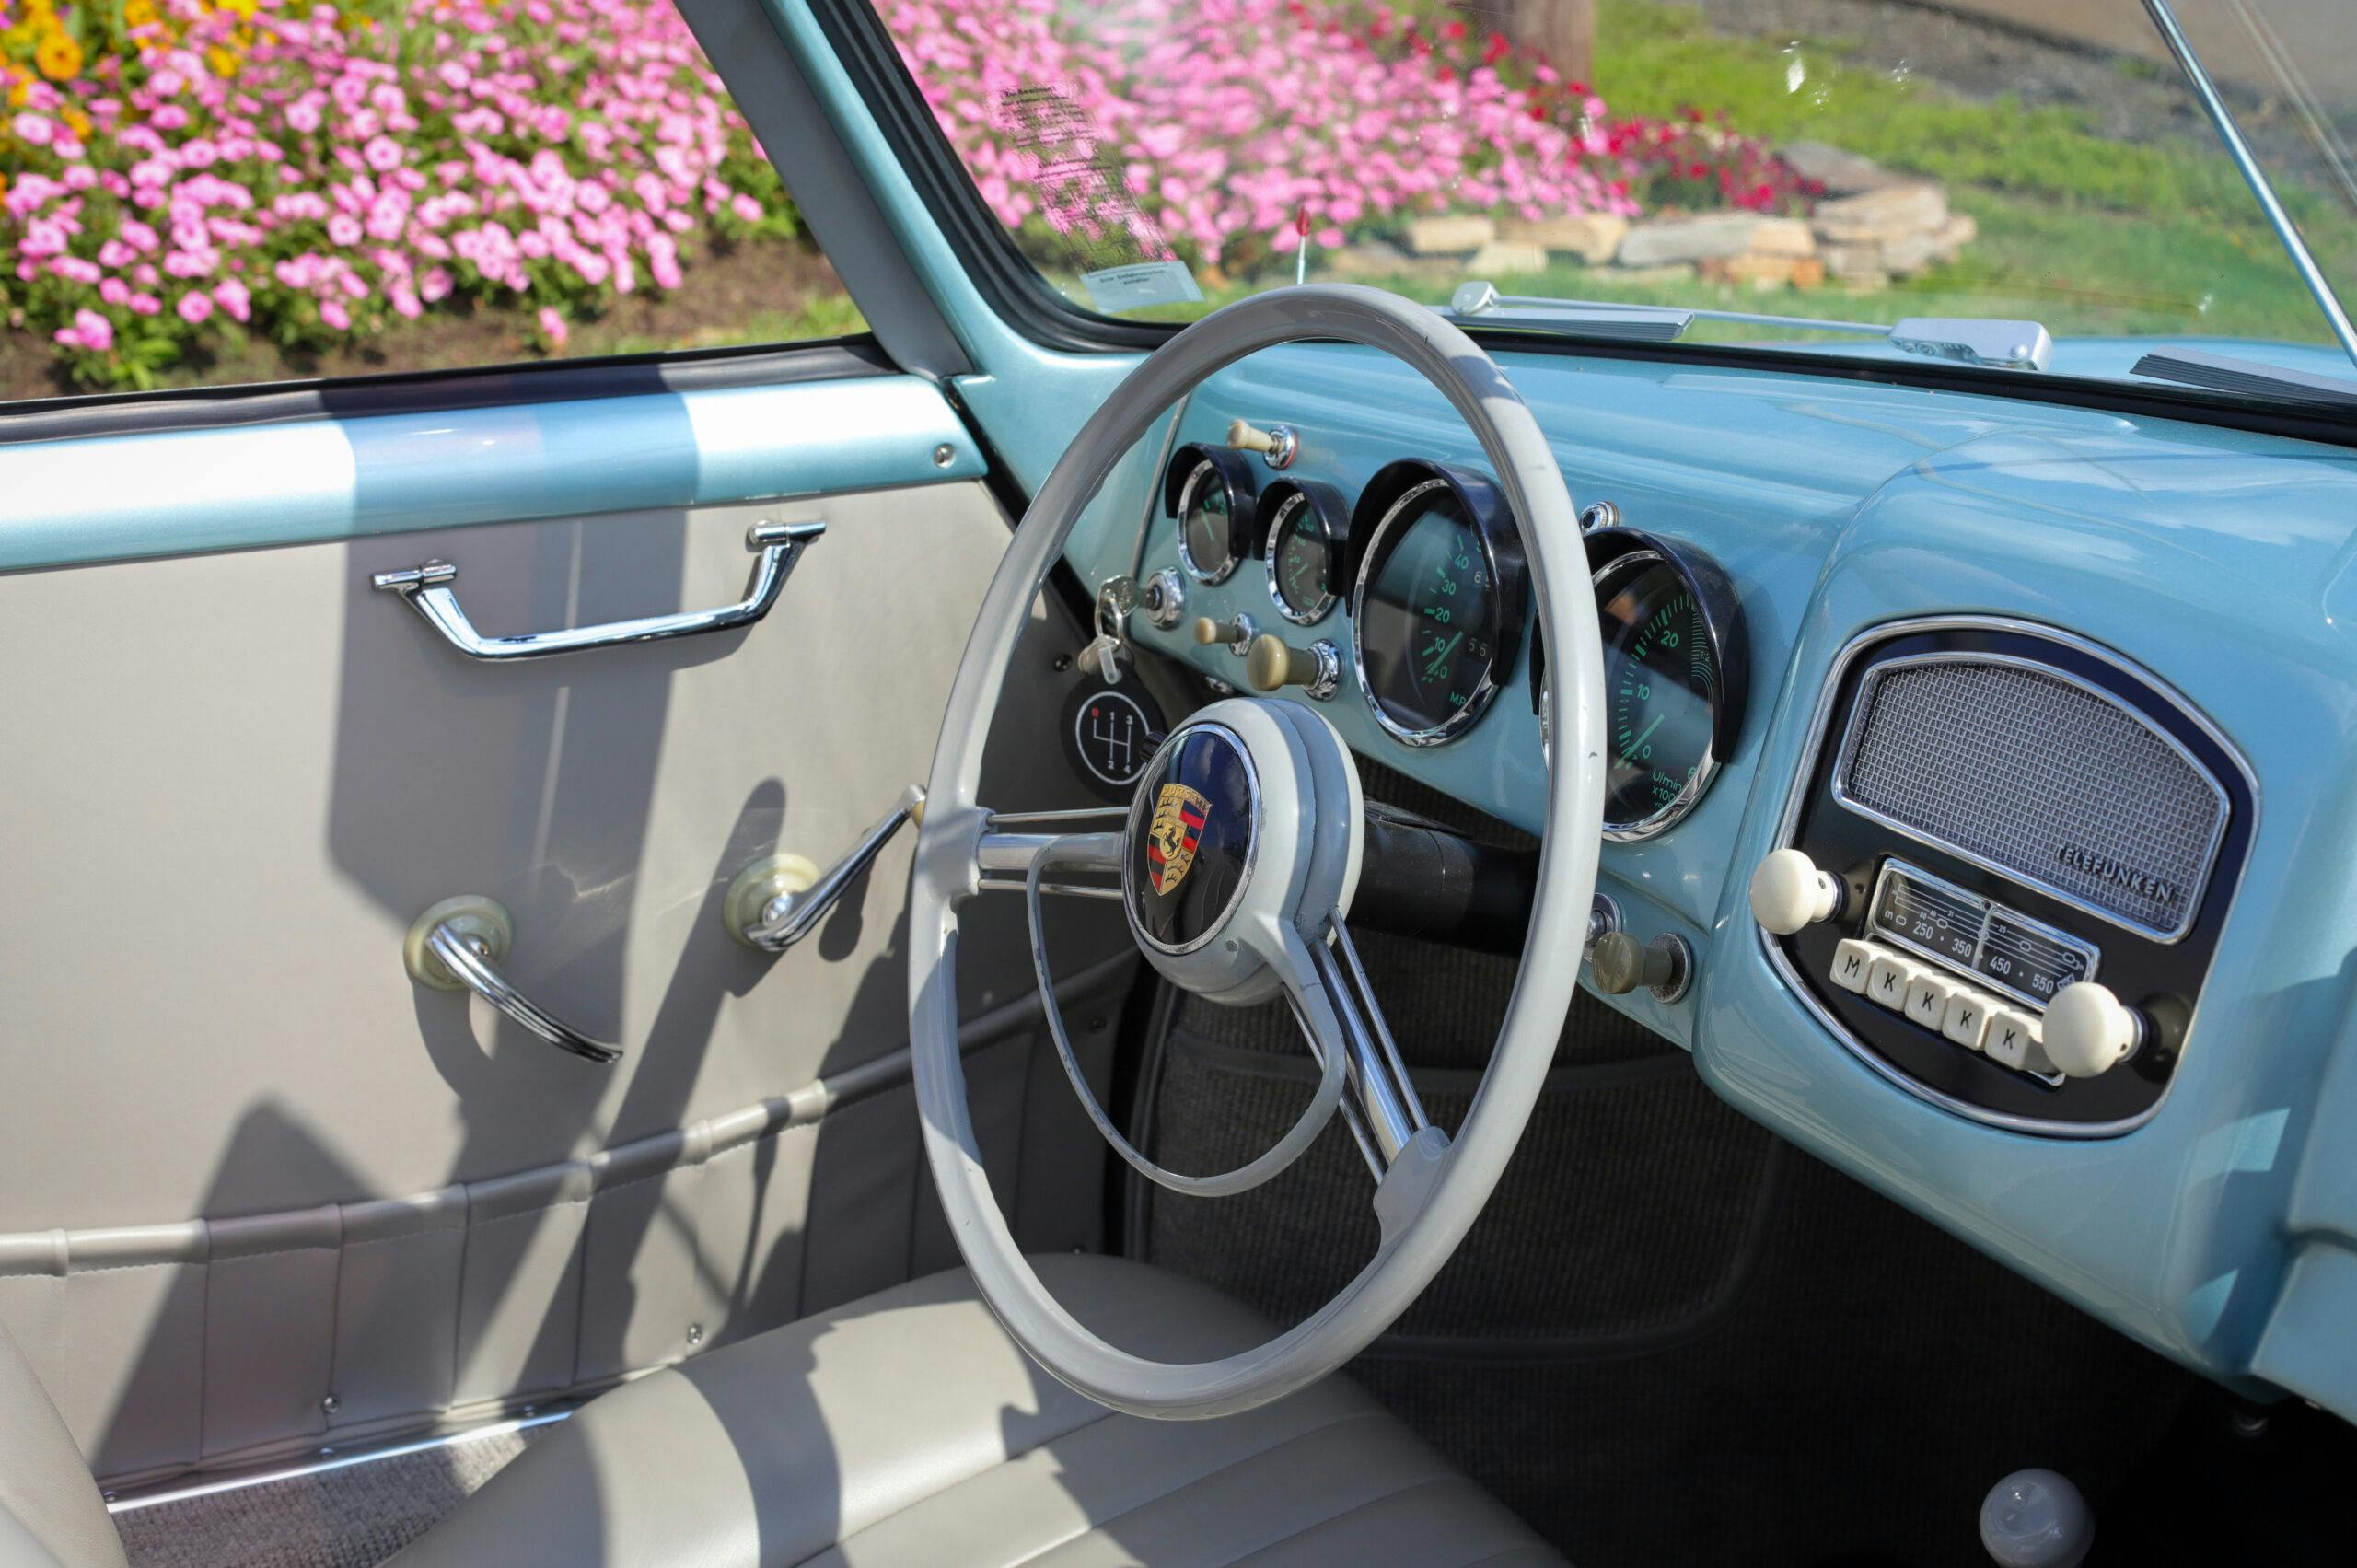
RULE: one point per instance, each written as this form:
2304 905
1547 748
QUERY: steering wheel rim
1461 1179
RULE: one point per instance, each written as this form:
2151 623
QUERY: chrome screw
330 1404
695 1335
944 455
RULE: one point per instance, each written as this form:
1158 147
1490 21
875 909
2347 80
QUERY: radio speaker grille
2039 776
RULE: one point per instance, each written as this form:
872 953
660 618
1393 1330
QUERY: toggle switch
1236 635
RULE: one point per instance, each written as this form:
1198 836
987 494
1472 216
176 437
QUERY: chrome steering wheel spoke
1012 841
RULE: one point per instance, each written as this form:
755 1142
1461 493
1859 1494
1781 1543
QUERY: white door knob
1789 892
2089 1031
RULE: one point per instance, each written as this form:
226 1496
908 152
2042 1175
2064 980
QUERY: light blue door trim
116 497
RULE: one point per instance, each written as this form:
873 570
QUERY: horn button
1192 833
1244 833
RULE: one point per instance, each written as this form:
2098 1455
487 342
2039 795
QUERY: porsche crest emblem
1171 839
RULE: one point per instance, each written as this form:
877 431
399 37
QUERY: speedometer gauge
1673 679
1436 605
1209 491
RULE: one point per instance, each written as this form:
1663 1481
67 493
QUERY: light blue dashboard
2222 1231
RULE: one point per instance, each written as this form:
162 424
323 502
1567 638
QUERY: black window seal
439 391
1012 287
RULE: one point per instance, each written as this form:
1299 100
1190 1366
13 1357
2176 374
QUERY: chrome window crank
428 590
457 944
778 901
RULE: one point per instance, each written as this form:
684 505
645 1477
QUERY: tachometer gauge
1673 678
1209 491
1437 607
1303 527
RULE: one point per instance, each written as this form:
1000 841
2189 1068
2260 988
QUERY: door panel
259 1186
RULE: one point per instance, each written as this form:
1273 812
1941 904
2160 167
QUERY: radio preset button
2014 1040
1967 1018
1851 960
1927 999
1887 978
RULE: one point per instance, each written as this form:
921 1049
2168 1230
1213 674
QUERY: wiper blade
2224 373
1969 340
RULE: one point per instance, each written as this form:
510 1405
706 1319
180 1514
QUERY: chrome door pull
427 590
777 901
458 944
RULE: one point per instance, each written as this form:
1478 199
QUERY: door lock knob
1789 892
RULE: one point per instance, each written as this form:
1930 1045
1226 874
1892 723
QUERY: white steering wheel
1277 834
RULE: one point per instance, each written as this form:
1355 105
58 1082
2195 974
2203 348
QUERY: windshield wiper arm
2226 373
2222 119
1971 340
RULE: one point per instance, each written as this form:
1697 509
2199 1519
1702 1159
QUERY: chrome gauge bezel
1674 810
1611 550
1203 470
1508 630
1294 498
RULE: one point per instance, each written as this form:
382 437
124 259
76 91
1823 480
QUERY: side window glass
206 193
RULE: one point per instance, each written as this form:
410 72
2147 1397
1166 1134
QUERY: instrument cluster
1426 566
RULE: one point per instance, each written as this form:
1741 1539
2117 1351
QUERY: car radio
2001 877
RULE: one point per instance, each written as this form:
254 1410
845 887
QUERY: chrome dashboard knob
2088 1030
1790 893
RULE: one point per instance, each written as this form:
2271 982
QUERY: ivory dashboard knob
2088 1031
1209 631
1790 893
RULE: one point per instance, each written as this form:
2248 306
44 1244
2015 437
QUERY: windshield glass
1858 160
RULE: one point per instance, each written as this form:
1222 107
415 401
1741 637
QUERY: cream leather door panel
258 1189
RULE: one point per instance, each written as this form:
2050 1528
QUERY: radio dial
1789 893
2089 1031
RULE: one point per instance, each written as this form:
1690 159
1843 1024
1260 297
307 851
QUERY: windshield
1852 160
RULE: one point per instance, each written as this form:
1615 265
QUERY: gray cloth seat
908 1429
905 1429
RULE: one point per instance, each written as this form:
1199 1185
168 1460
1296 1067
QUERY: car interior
1344 933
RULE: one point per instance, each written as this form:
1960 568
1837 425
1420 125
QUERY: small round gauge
1670 701
1436 611
1209 491
1304 526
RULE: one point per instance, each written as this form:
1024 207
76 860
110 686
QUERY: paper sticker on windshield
1141 284
1082 184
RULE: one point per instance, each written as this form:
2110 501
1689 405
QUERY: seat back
50 1513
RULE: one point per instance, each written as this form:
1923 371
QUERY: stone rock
1366 259
1857 267
1879 217
1506 258
1761 273
1783 237
1679 271
1673 241
1840 171
1960 231
1455 234
1908 254
1808 273
1591 237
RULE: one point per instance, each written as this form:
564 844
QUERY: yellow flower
78 122
138 13
59 57
242 9
18 94
224 63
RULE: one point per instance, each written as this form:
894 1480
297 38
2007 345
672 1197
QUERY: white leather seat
908 1429
905 1429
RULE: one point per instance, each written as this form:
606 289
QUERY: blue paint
182 491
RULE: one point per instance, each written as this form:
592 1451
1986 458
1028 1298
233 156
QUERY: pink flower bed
1236 124
311 175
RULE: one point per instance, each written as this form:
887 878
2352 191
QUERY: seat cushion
908 1429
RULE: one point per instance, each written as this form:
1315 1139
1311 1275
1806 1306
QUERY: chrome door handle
427 590
457 944
775 903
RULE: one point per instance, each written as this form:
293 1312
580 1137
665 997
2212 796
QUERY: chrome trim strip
1484 694
329 1459
1812 748
2194 893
